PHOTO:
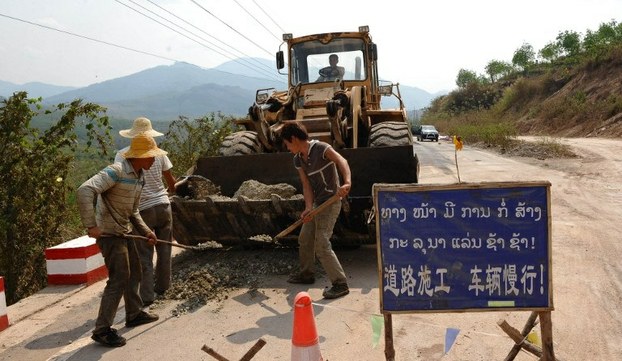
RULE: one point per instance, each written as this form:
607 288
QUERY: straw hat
143 147
141 126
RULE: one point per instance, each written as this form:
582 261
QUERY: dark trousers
314 240
124 275
159 218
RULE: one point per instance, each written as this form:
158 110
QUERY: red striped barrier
4 318
75 262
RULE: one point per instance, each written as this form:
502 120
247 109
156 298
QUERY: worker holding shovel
117 189
319 167
155 210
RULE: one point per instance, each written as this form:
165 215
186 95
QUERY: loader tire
388 134
240 143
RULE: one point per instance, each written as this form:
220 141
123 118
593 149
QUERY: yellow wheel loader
335 91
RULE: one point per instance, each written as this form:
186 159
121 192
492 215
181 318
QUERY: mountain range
34 89
164 93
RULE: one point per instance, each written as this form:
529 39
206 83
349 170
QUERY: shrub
33 176
614 105
187 140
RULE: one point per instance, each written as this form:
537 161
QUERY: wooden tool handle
141 238
312 213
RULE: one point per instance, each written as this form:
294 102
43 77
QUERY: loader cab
309 57
309 61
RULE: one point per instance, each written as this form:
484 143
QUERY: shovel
174 244
312 213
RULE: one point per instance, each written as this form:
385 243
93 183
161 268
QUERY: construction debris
253 189
210 276
196 187
200 188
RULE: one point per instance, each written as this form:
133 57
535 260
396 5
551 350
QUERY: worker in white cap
117 189
155 209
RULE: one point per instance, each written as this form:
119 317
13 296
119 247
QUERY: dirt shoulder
257 302
587 276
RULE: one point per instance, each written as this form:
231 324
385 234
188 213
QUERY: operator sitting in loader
333 71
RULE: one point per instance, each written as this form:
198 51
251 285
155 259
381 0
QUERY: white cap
141 126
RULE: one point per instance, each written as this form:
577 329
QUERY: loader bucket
242 220
233 222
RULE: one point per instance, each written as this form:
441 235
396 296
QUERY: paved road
56 323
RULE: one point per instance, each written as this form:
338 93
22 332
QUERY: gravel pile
212 272
256 190
198 187
202 276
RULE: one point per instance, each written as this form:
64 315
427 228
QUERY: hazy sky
422 44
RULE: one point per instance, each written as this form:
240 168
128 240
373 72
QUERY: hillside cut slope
588 104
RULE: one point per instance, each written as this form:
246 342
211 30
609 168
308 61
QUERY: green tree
33 179
497 69
524 56
550 52
466 77
598 42
569 42
187 140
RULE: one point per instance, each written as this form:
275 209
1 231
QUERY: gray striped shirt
117 188
154 191
321 171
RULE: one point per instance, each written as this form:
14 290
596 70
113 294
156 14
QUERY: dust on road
586 207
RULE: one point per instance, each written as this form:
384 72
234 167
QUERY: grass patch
476 127
544 148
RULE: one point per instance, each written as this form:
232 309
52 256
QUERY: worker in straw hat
155 210
117 189
141 126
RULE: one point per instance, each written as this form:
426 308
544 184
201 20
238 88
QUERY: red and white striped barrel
4 318
75 262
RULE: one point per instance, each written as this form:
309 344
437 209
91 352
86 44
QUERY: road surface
56 323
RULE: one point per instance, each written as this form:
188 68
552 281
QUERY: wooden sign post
247 356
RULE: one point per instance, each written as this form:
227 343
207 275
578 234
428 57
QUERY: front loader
342 109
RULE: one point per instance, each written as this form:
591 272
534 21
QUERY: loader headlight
386 90
262 95
261 98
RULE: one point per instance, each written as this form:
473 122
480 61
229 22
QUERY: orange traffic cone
305 345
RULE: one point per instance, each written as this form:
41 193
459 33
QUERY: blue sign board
483 246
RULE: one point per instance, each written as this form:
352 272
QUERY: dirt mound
198 187
256 190
588 105
537 149
199 277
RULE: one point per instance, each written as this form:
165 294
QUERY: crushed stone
210 275
256 190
